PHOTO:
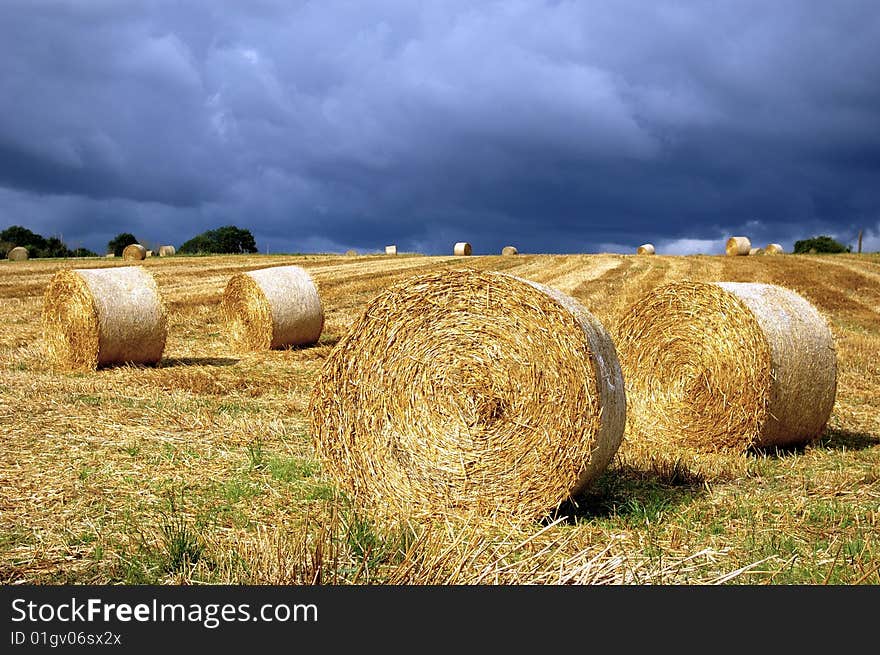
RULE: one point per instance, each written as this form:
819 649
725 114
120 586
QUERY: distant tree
83 252
823 243
118 243
36 244
21 236
226 240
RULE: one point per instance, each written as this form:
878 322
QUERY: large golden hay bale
96 317
134 251
645 249
167 251
726 366
272 308
738 246
462 248
17 254
469 392
773 249
509 250
390 250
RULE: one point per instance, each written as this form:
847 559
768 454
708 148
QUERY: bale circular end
18 254
97 317
738 246
509 250
645 249
390 250
272 308
134 251
462 248
774 249
469 392
726 366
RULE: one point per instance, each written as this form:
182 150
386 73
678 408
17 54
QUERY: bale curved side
135 252
509 250
391 250
462 249
272 308
738 246
18 254
469 392
100 317
167 251
645 249
726 366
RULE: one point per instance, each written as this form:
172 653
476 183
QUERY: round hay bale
462 248
509 250
149 253
390 250
134 251
351 253
18 254
167 251
110 255
103 316
738 246
726 366
272 308
469 392
773 249
755 251
645 249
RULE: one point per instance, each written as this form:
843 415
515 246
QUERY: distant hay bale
149 253
738 246
272 308
97 317
167 251
645 249
390 250
351 253
469 392
18 254
755 251
134 251
773 249
462 248
726 366
110 255
509 250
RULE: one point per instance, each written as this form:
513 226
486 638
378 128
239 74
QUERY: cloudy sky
551 125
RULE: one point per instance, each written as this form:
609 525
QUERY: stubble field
202 470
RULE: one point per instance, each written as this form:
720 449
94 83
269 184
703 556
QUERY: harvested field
202 470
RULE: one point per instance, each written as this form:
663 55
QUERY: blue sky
553 126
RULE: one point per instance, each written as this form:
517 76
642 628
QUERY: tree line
228 239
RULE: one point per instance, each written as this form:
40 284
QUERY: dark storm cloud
558 126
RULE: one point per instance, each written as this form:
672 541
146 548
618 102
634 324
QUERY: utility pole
860 242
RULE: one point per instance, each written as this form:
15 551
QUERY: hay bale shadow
634 494
198 361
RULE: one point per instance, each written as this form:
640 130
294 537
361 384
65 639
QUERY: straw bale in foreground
134 251
272 308
469 392
17 254
738 246
726 366
103 316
